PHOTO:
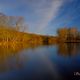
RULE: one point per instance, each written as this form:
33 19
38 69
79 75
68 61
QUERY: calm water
51 62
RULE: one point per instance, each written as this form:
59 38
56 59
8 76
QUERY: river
47 62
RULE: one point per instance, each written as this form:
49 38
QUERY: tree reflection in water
68 49
10 56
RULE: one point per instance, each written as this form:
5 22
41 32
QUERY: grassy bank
12 36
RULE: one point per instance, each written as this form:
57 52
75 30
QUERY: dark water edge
48 62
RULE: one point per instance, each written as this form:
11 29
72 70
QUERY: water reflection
38 62
10 56
68 49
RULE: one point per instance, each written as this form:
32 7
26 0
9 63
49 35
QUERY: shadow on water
39 62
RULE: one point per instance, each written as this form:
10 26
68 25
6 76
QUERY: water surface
48 62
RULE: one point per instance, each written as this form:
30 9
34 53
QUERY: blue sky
44 16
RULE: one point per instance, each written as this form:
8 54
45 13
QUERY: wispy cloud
46 10
38 13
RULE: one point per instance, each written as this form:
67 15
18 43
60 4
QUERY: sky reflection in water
54 62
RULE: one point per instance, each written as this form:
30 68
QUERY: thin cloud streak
42 16
47 12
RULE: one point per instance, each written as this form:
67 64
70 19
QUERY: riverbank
13 36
